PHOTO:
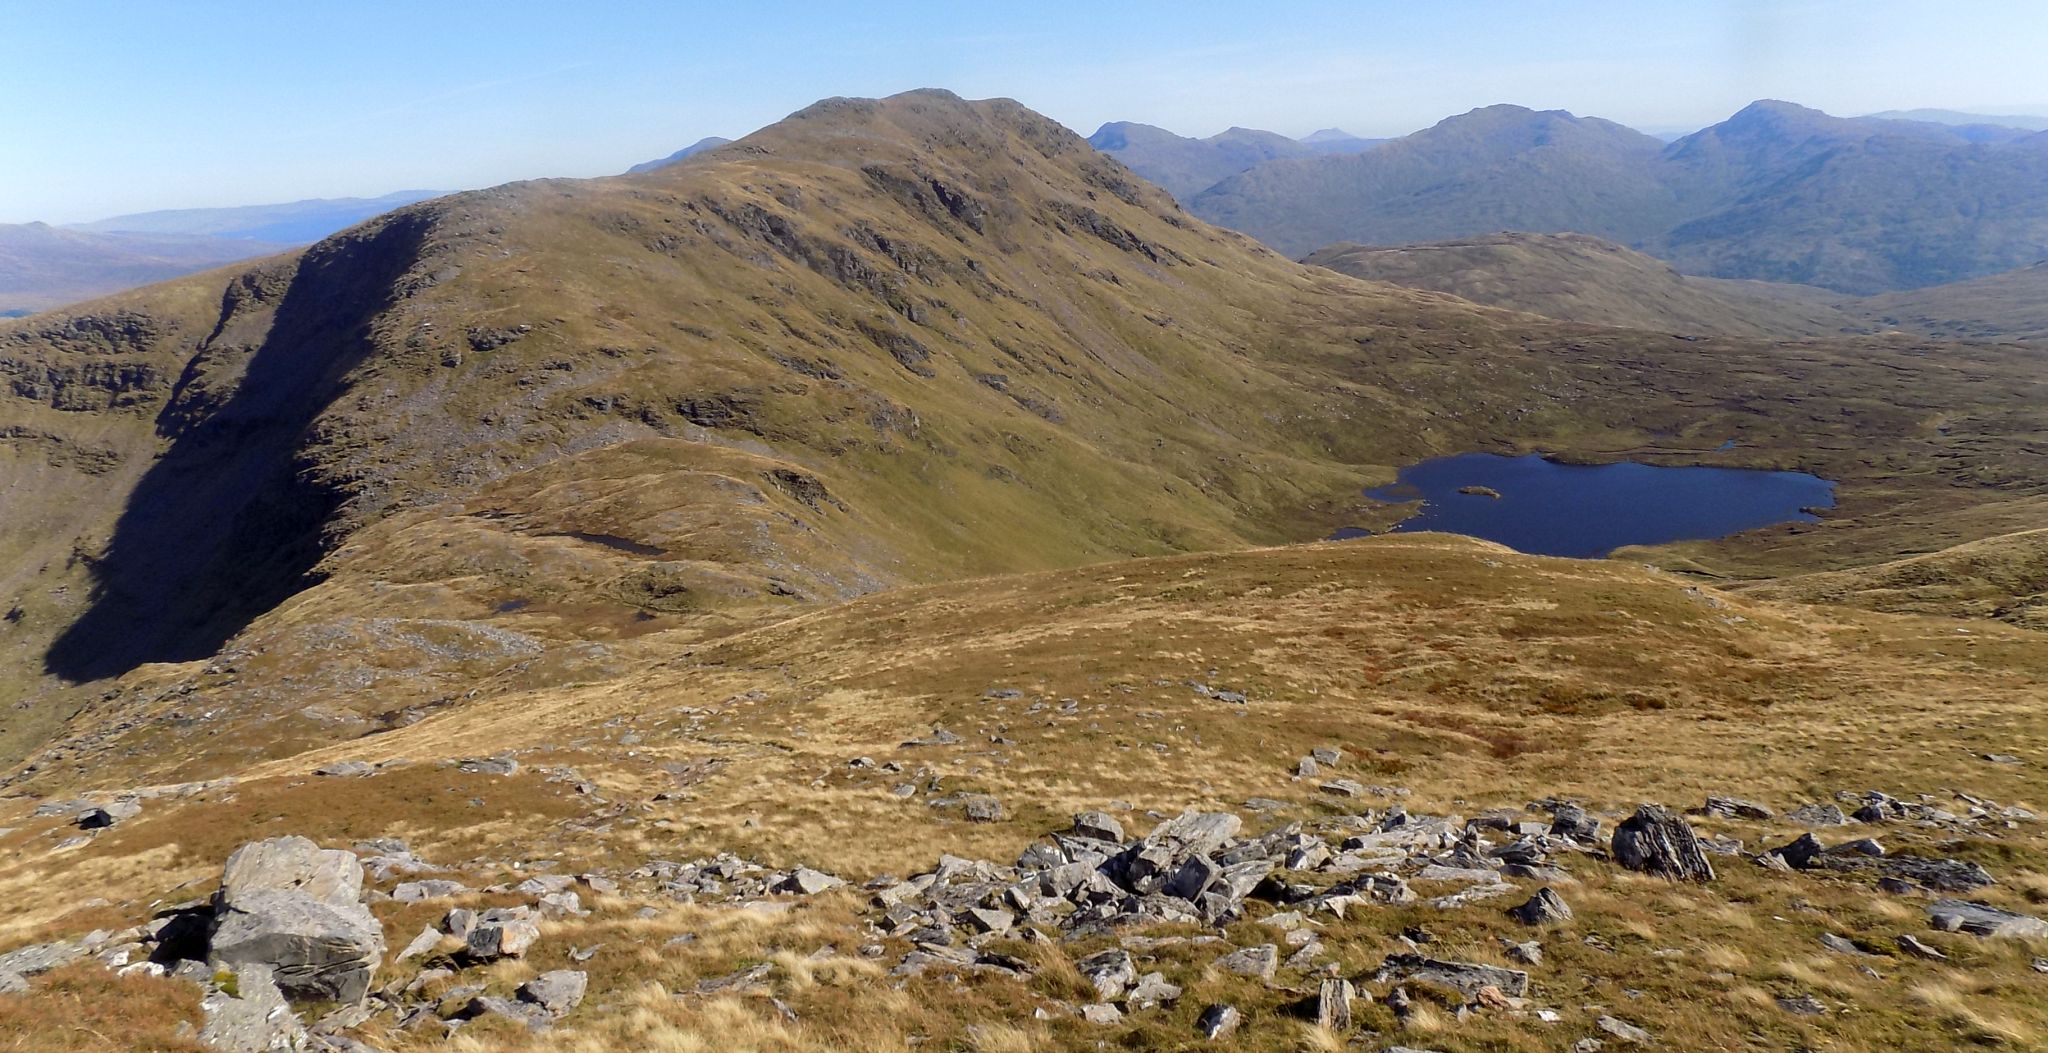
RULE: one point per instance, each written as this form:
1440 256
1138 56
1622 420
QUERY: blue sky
120 107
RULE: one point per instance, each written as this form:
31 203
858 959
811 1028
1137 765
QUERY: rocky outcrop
1658 841
294 908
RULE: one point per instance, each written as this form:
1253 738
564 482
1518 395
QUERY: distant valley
44 266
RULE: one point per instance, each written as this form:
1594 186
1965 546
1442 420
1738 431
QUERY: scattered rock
1333 1004
1098 826
488 766
1980 919
807 882
1218 1021
501 933
1817 815
1111 972
557 991
348 769
1464 977
1544 908
1659 842
1803 1005
1102 1013
107 815
1623 1030
1257 962
1736 808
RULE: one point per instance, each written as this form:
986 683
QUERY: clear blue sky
120 107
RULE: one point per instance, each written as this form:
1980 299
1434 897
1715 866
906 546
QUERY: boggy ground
1470 676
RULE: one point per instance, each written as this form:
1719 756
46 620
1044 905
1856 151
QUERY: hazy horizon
234 103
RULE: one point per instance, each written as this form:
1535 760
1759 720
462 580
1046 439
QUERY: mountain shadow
229 521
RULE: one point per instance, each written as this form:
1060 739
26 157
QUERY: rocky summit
864 586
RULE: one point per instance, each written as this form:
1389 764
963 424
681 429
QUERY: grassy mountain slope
1578 278
879 343
2008 306
2003 577
1467 675
1777 192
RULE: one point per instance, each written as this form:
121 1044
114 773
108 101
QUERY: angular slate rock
294 908
1981 919
1659 842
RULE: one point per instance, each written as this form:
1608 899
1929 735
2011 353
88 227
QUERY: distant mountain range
1580 278
42 266
291 223
1185 167
1777 192
709 142
1962 119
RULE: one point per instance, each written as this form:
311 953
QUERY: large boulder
1658 841
294 908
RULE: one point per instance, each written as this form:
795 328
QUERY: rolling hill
2008 306
1579 278
880 490
1777 193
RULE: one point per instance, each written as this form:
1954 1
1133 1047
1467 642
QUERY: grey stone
1110 972
1842 945
1979 919
293 907
1333 1004
1258 962
557 991
1802 853
1817 815
1659 842
981 808
560 905
1546 907
1307 768
248 1014
415 891
807 882
1098 826
107 815
1102 1013
507 938
13 983
488 766
529 1014
1150 991
1737 808
428 939
40 958
1343 788
1571 820
1464 977
348 769
1328 756
1623 1030
1218 1021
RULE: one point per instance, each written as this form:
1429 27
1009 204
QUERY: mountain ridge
1777 192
